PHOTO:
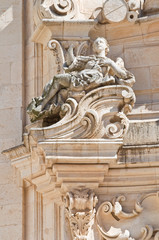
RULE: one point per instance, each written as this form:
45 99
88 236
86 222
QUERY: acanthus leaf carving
80 210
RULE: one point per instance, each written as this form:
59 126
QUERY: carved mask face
100 45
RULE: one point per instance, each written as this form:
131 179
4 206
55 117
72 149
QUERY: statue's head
100 44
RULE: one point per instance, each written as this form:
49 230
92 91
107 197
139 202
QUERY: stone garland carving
140 215
82 75
80 210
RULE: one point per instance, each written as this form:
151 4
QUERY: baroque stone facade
86 166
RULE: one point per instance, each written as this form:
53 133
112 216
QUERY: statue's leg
59 81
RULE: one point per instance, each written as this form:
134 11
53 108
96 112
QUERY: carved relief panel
138 222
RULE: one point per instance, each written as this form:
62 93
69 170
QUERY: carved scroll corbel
58 53
80 210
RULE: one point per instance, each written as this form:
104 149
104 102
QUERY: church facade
79 119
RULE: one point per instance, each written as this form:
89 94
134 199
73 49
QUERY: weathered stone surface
145 132
82 74
12 230
114 11
10 115
9 92
154 71
143 77
151 6
54 168
135 57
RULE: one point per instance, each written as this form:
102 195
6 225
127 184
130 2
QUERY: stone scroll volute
134 223
54 9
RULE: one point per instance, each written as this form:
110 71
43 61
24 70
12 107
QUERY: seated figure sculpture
82 74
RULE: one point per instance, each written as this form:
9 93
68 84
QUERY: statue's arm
70 56
119 72
77 63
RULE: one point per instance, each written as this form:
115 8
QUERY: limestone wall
11 114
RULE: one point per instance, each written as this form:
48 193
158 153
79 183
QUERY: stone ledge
145 154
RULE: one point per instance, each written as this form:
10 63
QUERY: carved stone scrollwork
59 9
116 209
115 223
58 53
91 117
118 128
148 232
120 123
80 210
115 234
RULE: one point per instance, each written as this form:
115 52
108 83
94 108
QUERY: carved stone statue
82 74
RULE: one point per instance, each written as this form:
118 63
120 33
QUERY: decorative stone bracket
68 153
100 114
